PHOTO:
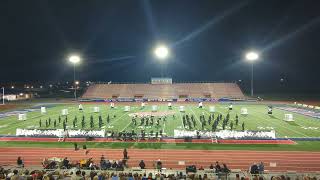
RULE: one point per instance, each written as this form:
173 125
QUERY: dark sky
208 39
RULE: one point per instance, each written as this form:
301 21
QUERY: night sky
208 40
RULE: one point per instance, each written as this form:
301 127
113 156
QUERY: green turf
300 146
256 120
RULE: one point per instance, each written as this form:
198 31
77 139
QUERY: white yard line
117 119
126 127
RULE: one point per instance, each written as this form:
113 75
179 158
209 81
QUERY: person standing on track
125 154
142 165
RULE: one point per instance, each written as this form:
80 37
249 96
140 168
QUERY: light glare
74 59
161 52
252 56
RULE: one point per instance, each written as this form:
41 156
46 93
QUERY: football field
119 120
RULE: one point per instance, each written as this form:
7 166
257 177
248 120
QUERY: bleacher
165 91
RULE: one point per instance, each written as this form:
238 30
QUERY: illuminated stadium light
74 59
161 52
252 56
12 87
77 82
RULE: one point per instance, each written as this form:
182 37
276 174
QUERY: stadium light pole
252 57
74 59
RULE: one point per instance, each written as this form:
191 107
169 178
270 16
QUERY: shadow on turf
273 117
291 123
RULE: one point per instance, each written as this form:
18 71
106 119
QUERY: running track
285 160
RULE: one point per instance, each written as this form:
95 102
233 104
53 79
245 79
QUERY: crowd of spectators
93 175
25 174
118 170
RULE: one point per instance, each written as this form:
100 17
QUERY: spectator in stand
217 168
150 176
20 162
65 163
130 177
124 163
225 169
108 164
77 176
15 175
103 163
255 177
114 177
261 167
201 168
159 164
254 169
142 165
114 165
237 177
144 176
120 165
211 166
